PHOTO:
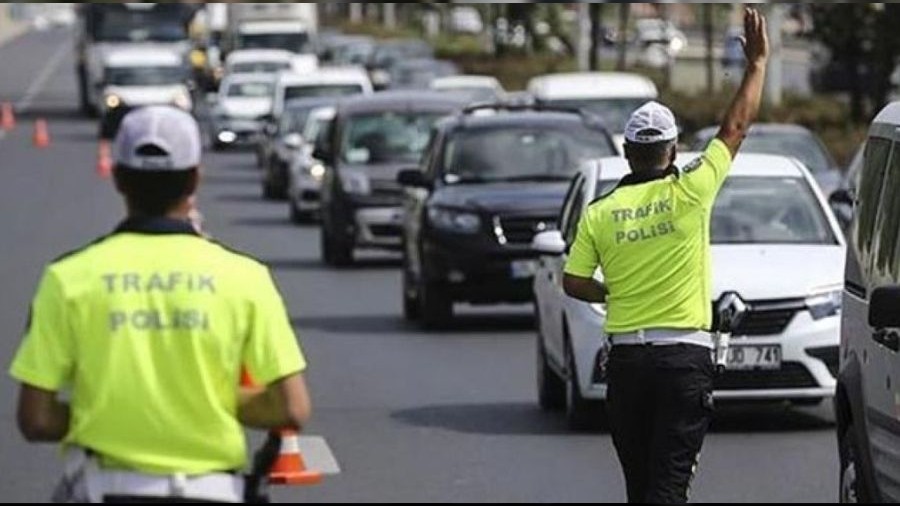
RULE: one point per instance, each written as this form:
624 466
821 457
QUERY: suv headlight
825 304
454 221
317 171
356 183
112 101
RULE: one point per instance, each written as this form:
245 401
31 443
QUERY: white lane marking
38 85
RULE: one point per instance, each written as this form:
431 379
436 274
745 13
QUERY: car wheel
410 302
853 489
551 388
582 415
435 307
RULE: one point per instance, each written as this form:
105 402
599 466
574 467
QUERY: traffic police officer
149 329
650 238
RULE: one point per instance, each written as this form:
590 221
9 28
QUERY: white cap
172 130
653 123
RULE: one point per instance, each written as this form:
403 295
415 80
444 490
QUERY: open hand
756 37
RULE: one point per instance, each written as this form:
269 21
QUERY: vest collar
156 226
634 179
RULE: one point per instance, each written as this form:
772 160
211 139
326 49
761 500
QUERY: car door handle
888 339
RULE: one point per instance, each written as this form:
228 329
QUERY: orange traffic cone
41 134
289 468
7 117
104 160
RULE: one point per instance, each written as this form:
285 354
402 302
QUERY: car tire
435 307
852 486
411 305
582 415
551 388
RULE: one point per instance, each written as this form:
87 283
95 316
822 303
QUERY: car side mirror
294 141
841 197
413 178
550 243
884 308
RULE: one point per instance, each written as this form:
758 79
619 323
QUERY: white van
867 403
612 96
326 82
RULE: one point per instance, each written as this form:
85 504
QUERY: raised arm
745 107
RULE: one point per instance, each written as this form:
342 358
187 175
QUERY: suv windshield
250 90
145 76
613 112
327 90
522 153
259 67
755 210
387 137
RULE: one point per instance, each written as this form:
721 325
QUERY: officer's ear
673 153
194 181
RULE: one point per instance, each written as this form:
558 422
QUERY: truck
105 27
288 26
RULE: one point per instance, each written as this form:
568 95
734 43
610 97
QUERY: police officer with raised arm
651 240
136 342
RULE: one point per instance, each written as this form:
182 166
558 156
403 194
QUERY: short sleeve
46 357
272 351
584 260
703 178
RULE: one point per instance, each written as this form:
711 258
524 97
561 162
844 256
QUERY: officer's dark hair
650 157
154 193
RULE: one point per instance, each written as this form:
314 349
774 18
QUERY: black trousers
660 407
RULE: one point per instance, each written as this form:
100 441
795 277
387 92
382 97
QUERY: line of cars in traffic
480 191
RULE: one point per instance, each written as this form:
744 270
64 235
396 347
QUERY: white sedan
776 244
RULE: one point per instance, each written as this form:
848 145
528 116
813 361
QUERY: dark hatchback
491 180
371 140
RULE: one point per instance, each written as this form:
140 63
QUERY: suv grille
522 229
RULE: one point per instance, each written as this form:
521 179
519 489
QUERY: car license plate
748 358
523 269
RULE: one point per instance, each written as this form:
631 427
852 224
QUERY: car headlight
182 101
112 101
825 304
454 221
355 183
317 171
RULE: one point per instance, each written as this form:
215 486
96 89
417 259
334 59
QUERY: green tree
864 46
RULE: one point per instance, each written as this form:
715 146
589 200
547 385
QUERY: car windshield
327 90
259 67
388 137
801 146
140 25
145 76
293 42
756 210
294 119
522 153
250 90
316 125
613 112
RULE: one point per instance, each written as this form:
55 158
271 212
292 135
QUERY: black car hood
504 198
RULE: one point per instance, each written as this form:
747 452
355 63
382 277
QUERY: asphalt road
411 416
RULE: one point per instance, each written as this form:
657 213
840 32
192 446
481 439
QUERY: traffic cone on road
41 138
7 117
104 160
290 468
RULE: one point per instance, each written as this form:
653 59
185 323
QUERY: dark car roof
402 101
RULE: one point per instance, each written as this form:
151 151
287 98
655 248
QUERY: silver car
307 173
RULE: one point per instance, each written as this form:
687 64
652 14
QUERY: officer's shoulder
78 253
238 257
605 196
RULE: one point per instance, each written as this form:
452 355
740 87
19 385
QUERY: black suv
493 177
371 140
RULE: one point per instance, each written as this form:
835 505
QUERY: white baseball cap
174 132
651 124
